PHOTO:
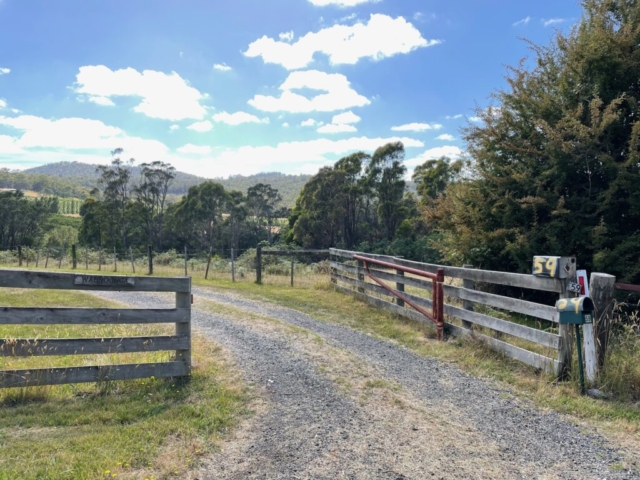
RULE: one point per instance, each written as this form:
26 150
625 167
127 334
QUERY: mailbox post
576 311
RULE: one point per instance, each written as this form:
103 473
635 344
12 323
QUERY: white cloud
78 134
204 126
3 104
104 101
524 21
553 21
9 145
191 149
454 117
287 36
434 153
445 136
341 123
381 37
287 155
417 127
285 124
4 70
237 118
341 3
164 96
337 128
174 127
223 67
309 123
475 119
346 118
339 94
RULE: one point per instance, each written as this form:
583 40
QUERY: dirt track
334 403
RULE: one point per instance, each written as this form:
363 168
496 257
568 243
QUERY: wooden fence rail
346 275
180 342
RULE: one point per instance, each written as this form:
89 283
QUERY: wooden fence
348 276
180 342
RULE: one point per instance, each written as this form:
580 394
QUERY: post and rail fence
458 301
283 253
180 366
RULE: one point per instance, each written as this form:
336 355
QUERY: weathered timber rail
180 342
348 276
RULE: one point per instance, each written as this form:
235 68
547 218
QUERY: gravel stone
308 420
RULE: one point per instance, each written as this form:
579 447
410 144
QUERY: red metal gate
437 304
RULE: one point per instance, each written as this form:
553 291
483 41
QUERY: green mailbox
575 311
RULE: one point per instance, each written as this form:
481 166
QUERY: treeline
24 221
363 203
43 184
123 212
61 178
553 168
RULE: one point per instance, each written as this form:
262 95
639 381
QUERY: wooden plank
89 346
342 253
60 376
530 358
183 301
67 281
295 252
521 331
90 316
538 310
485 276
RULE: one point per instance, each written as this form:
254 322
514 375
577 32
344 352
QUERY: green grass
152 428
325 304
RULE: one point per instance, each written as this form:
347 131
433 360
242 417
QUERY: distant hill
83 177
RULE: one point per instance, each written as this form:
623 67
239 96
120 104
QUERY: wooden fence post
233 266
100 258
150 257
206 272
19 256
292 265
74 257
602 290
183 300
133 264
565 352
37 257
259 265
27 256
400 288
186 260
360 275
86 257
46 262
115 260
466 304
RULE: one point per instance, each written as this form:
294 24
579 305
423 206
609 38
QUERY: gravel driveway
332 403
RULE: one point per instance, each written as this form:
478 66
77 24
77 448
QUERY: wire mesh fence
215 265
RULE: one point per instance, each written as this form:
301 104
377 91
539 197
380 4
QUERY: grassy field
620 415
153 428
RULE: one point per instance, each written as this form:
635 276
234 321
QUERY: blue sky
238 87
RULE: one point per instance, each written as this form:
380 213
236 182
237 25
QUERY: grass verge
152 428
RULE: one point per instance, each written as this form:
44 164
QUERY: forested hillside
75 179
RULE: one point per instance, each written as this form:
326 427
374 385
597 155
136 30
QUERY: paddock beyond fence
180 342
538 340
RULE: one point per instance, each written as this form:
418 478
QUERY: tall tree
263 200
386 172
115 182
557 160
151 194
433 176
